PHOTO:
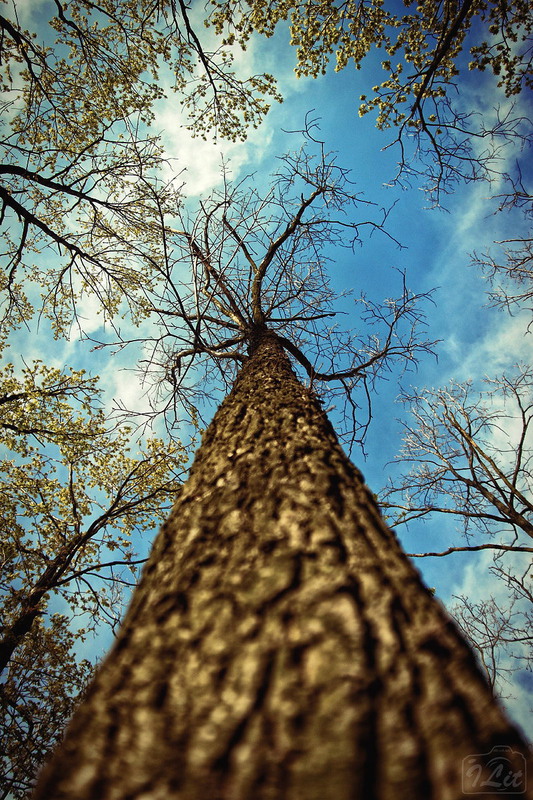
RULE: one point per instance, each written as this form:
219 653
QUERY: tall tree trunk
280 645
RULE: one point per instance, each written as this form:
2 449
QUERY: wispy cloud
25 10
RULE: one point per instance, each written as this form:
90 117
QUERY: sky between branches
476 340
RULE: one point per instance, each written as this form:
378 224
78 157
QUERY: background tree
500 633
46 679
469 457
279 640
427 48
510 270
81 171
73 507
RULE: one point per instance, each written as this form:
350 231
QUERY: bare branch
474 548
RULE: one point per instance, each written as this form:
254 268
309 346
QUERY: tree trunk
280 645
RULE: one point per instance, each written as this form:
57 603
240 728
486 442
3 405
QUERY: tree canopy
422 47
81 170
256 259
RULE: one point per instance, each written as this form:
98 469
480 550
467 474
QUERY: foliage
73 503
37 697
423 45
82 182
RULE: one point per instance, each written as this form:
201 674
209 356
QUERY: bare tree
500 632
510 270
263 259
470 459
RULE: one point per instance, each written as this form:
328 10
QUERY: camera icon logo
500 771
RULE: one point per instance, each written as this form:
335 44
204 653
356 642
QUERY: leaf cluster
46 681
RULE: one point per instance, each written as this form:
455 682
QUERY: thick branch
472 548
257 284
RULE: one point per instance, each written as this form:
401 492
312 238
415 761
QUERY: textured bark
280 645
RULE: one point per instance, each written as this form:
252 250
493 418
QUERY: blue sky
476 340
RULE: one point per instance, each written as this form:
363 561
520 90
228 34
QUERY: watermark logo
501 771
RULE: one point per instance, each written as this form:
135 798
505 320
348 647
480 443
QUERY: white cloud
197 162
25 10
476 339
505 344
200 160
